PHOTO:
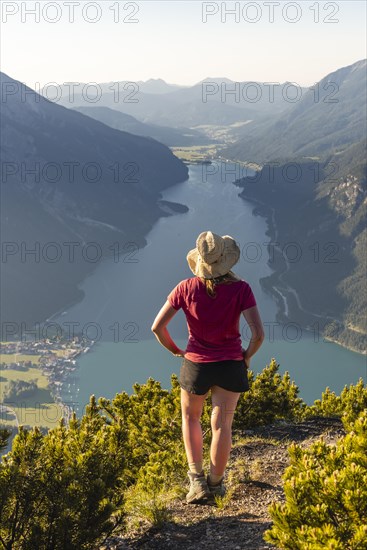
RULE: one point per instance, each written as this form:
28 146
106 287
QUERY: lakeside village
56 359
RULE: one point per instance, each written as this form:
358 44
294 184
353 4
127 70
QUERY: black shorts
198 378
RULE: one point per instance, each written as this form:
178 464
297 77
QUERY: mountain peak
157 86
155 81
216 79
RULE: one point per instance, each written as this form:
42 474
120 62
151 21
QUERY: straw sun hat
213 256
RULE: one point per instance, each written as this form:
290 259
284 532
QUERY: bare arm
253 319
160 331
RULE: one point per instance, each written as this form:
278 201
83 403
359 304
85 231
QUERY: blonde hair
211 283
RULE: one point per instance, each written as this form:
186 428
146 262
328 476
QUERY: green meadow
36 410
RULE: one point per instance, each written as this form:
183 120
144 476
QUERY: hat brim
224 264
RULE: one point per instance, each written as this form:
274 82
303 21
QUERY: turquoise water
114 367
122 299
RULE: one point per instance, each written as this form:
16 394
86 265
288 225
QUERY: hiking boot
217 489
198 488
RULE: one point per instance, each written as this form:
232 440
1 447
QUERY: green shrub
151 418
326 495
61 490
349 404
271 397
159 481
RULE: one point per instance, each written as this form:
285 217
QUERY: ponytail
211 283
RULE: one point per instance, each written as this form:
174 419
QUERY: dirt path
258 460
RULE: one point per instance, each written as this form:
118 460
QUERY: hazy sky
171 40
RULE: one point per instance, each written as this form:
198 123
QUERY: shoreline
58 369
344 346
282 301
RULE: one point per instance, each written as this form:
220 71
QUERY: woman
214 359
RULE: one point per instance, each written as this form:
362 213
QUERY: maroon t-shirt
213 323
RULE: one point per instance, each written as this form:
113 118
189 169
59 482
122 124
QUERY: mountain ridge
324 218
164 134
326 119
59 168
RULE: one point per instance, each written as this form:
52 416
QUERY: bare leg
223 407
192 408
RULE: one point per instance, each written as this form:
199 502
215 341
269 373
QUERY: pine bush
271 397
325 495
349 404
60 490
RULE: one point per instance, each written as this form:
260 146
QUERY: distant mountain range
157 86
151 86
67 178
213 101
172 137
327 119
